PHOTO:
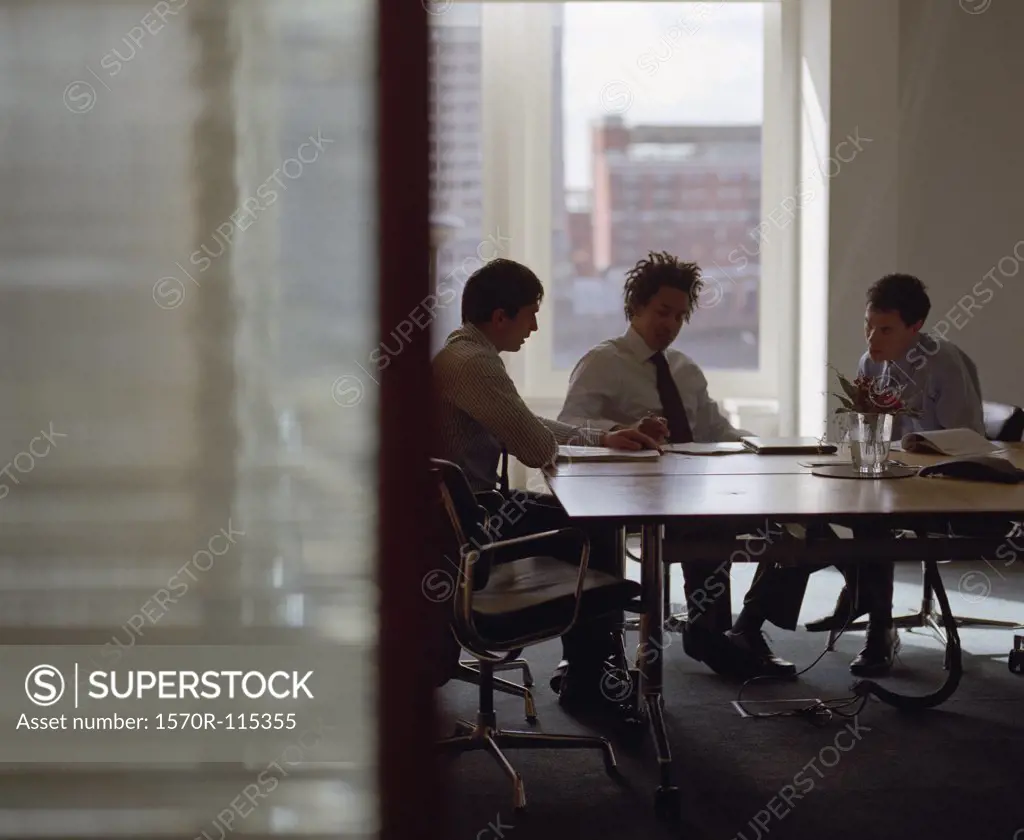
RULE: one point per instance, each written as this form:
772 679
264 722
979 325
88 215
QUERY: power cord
819 713
863 688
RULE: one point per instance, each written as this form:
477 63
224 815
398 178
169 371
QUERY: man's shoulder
611 349
944 347
942 353
460 356
678 360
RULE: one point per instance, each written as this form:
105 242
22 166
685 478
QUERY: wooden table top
737 486
739 464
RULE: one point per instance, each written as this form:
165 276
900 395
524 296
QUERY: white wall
961 179
934 187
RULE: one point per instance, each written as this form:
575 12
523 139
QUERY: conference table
746 492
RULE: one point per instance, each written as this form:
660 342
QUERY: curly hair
657 270
901 293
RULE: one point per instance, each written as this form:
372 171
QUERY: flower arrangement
872 395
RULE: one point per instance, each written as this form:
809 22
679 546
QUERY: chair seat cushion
536 593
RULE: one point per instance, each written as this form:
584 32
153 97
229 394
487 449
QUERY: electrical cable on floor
819 713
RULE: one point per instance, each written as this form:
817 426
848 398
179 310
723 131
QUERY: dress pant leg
872 580
707 582
777 593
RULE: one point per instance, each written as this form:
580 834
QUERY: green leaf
847 404
848 386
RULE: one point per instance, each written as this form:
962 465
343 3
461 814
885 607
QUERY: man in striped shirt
481 413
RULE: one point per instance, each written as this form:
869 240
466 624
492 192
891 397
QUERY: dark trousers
524 513
774 593
780 589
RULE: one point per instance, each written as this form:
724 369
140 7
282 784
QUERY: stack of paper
591 454
948 442
725 448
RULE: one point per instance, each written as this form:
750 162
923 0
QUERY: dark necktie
679 430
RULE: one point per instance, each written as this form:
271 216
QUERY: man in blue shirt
933 376
929 372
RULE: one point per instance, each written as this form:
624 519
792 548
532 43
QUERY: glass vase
870 438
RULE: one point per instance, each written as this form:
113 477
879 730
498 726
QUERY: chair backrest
1003 422
465 517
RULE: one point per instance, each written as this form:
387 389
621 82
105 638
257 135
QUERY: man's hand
628 439
654 427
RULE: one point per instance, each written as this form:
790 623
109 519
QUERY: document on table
724 448
948 442
592 454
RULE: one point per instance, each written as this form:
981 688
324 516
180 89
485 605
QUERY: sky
660 62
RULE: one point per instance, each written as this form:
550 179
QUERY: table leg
651 665
953 662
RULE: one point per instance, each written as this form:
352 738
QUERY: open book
948 442
590 454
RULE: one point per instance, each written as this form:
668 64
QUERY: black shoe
840 618
605 694
758 658
713 649
879 651
557 675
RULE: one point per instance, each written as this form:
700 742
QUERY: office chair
511 594
468 669
1005 424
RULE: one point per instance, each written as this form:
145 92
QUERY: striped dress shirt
481 412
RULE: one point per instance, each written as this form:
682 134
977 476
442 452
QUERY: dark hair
901 293
499 284
662 269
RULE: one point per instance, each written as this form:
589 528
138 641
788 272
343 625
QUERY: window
589 98
456 126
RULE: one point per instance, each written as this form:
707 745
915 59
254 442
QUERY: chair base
511 665
927 618
468 673
485 735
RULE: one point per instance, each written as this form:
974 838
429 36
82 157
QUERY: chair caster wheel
1016 661
666 804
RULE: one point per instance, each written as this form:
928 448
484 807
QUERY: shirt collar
924 341
635 344
473 332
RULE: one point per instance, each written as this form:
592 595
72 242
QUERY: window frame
517 122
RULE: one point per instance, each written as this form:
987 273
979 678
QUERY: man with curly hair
639 380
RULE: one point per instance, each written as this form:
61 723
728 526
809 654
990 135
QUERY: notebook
593 454
724 448
788 446
948 442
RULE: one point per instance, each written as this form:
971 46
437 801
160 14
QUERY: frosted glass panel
186 264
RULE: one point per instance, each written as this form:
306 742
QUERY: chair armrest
570 545
490 500
556 543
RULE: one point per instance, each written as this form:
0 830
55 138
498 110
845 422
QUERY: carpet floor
954 771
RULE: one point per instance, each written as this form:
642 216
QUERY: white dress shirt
615 384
